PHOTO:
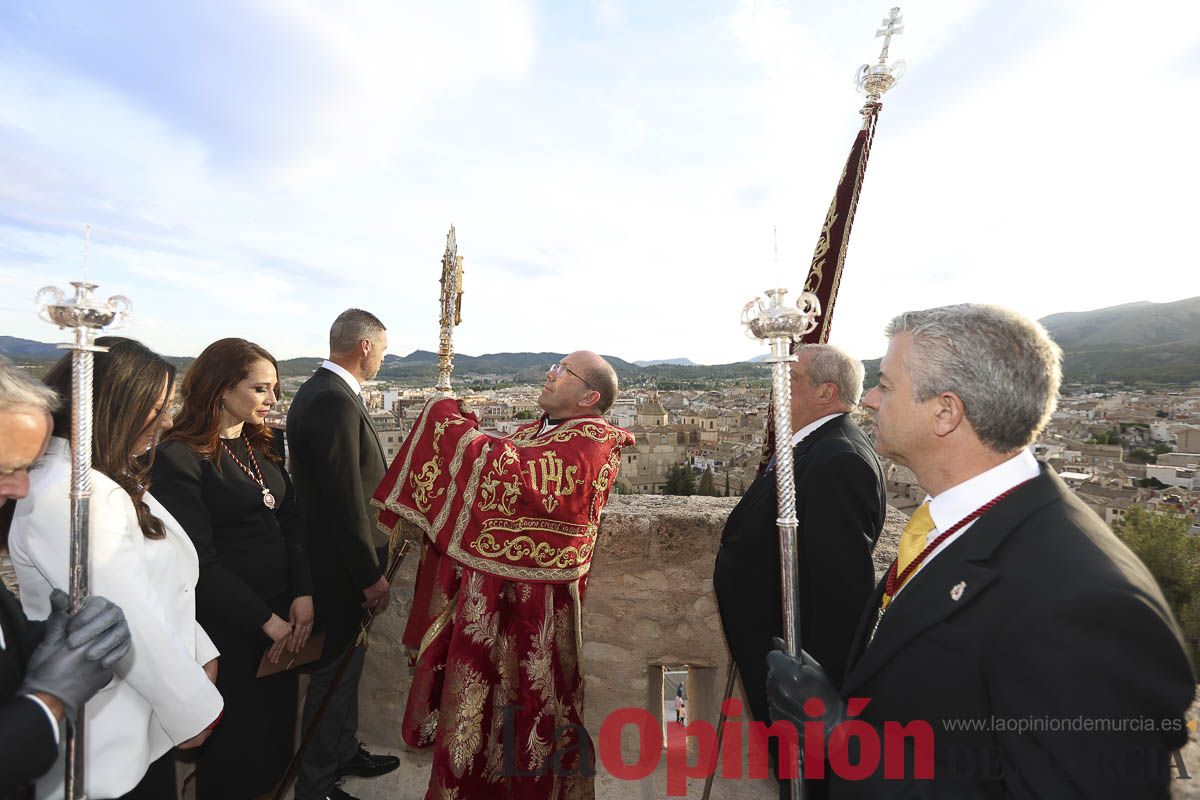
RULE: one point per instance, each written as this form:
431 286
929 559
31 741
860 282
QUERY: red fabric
510 525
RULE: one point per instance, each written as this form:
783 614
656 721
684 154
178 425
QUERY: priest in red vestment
509 529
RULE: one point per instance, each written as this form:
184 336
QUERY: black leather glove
67 673
99 625
792 681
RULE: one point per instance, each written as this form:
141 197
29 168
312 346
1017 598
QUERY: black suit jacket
27 744
336 461
1036 613
840 507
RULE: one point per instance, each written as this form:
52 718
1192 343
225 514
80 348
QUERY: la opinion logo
744 747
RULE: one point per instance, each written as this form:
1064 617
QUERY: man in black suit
337 462
47 669
1035 652
840 508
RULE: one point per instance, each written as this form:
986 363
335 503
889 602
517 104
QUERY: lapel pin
957 592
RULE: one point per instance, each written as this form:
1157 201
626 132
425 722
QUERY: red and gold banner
829 257
825 272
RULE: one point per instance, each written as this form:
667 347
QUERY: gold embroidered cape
509 530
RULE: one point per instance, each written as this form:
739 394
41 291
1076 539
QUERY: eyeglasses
559 368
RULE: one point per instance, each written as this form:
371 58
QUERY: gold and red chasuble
509 526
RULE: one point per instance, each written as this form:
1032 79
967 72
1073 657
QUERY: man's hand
791 682
74 674
377 595
301 615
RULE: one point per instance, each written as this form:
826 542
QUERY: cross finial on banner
892 25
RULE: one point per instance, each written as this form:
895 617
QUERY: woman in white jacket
163 695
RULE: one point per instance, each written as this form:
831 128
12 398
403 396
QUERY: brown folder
308 654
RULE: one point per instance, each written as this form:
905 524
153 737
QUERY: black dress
252 563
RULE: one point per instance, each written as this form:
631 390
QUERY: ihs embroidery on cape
556 480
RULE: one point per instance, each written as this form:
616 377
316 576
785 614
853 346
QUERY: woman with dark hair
220 473
163 695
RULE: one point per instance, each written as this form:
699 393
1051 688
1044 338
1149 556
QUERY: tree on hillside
707 488
727 484
680 480
1105 437
1140 455
1162 542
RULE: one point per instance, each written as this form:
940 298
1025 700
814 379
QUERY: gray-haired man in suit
1026 649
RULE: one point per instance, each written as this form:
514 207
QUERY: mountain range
1142 341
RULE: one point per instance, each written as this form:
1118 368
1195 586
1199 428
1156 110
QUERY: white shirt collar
802 434
341 372
958 501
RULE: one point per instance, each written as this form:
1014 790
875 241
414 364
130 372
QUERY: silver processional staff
85 317
781 324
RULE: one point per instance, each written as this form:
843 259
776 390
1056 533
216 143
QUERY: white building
1174 476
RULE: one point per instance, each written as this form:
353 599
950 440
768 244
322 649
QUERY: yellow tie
915 537
912 542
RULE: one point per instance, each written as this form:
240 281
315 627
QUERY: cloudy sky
614 168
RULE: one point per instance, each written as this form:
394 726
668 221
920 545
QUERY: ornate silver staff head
82 313
778 322
875 79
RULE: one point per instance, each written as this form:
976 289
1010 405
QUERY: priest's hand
792 682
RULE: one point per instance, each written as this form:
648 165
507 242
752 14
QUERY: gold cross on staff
892 25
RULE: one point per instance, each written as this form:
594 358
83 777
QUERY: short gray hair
834 365
19 389
351 327
1005 368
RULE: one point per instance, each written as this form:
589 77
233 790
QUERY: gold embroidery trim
542 554
593 428
519 524
438 625
577 607
464 516
419 429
